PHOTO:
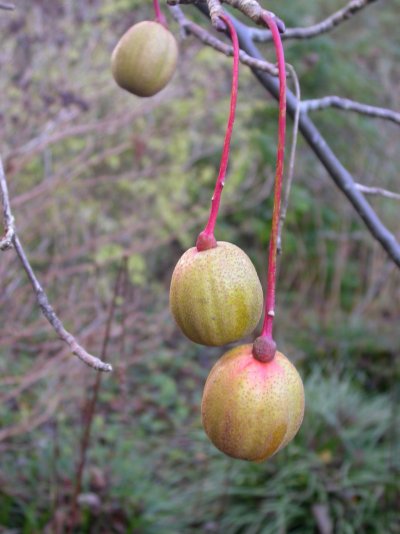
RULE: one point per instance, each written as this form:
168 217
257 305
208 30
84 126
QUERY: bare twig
350 105
251 8
288 186
215 10
317 29
7 6
377 191
41 296
92 401
9 228
255 12
210 40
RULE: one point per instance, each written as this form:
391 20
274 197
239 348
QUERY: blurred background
108 191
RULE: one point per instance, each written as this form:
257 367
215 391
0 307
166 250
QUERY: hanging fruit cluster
253 400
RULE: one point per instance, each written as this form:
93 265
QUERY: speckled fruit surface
250 410
216 296
145 58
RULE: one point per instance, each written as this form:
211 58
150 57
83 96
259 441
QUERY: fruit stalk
159 15
206 238
271 276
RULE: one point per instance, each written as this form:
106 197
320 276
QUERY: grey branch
215 10
7 6
9 228
350 105
377 191
251 8
339 174
210 40
41 296
255 12
317 29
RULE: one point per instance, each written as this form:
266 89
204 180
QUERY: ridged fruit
145 58
251 410
216 296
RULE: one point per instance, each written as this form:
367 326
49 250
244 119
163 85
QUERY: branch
41 296
340 175
336 170
209 40
377 191
251 8
317 29
6 6
350 105
9 228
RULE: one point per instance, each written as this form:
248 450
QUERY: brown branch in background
41 296
92 402
21 156
35 420
377 191
322 27
375 288
210 40
289 180
350 105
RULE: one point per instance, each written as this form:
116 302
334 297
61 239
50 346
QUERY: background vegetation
100 179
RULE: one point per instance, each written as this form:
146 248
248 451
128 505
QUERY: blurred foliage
98 177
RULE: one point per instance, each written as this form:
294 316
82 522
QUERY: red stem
159 15
216 199
271 277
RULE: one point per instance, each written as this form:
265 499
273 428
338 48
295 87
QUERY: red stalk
206 238
271 277
159 15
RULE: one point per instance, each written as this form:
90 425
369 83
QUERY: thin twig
6 6
322 27
377 191
6 241
350 105
375 288
210 40
92 401
289 181
41 296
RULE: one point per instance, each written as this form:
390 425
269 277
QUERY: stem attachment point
264 349
205 241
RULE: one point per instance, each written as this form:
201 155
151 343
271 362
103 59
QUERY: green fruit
145 58
250 409
216 296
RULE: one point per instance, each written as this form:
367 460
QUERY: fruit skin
216 296
250 410
145 58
